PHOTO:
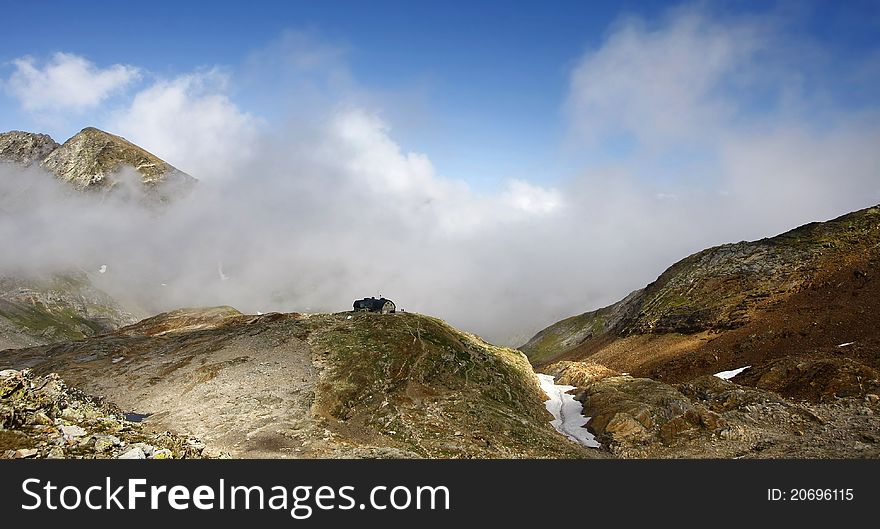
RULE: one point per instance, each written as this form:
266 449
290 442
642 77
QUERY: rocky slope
63 307
40 417
800 294
93 160
795 315
330 385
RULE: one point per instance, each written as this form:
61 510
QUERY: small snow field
569 420
727 375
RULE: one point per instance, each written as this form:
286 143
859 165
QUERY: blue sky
489 74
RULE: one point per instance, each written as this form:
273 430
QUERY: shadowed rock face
334 385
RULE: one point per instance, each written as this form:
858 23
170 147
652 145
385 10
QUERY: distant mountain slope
333 385
91 159
36 311
801 293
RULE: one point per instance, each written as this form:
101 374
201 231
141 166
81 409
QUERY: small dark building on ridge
381 305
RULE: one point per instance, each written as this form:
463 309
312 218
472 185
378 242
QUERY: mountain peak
92 158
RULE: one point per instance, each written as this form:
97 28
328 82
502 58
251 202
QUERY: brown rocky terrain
811 293
329 385
798 311
708 417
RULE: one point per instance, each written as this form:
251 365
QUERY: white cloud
717 109
662 83
67 82
190 122
359 144
530 198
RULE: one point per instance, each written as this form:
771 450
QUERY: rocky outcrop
624 409
713 418
579 374
25 148
41 417
817 378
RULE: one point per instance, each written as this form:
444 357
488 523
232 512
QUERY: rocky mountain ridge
92 159
25 148
722 290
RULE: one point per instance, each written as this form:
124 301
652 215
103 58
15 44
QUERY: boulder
71 431
624 409
134 453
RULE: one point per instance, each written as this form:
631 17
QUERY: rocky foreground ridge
41 417
340 385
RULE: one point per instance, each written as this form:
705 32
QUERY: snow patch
847 344
727 375
102 269
569 419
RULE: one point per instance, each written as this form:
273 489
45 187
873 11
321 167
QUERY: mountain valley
763 349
